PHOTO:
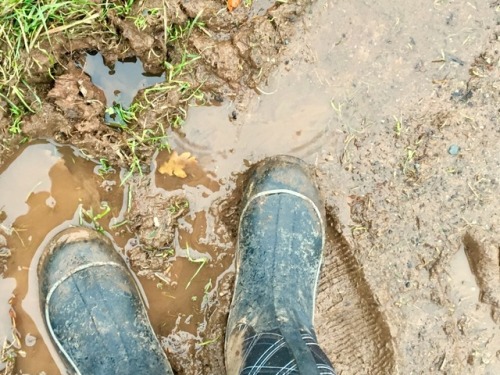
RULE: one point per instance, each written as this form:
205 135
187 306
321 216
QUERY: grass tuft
24 25
28 26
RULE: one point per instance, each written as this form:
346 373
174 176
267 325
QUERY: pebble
454 150
30 340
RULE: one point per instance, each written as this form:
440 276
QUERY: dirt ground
397 108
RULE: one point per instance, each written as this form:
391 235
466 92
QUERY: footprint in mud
351 327
484 261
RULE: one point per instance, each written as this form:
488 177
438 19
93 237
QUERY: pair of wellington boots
97 320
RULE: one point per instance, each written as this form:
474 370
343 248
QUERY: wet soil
396 106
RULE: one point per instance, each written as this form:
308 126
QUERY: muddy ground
395 105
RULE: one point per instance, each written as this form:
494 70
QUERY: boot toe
283 173
93 309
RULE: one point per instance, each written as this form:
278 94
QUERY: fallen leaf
176 164
233 4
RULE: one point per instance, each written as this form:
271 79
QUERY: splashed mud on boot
348 314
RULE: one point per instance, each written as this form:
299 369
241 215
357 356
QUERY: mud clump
152 217
74 113
207 53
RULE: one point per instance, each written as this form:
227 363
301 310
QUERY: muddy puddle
120 82
46 188
372 95
49 185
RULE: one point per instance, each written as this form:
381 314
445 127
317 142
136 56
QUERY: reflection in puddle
44 188
472 317
296 118
122 82
24 179
463 280
42 191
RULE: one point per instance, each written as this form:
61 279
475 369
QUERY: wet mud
483 256
394 105
358 331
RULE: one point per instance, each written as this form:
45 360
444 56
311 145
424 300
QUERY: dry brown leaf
233 4
176 164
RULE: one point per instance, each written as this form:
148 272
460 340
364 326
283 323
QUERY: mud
483 256
396 107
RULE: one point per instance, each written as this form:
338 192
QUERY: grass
11 347
28 26
410 161
104 168
122 8
120 116
24 25
398 126
94 218
127 119
153 138
182 32
202 261
153 96
178 207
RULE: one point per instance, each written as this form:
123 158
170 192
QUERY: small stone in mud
234 115
30 340
454 150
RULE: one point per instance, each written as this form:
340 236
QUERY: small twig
76 23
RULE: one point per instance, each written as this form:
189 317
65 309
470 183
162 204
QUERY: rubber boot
280 243
93 309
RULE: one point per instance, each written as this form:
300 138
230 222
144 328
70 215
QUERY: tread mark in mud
359 339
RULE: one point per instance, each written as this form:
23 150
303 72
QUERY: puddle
466 289
464 282
287 123
467 294
120 83
473 318
259 7
43 188
322 93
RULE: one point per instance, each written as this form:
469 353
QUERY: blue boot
93 310
280 244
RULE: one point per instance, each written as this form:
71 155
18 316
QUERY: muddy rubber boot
280 243
93 309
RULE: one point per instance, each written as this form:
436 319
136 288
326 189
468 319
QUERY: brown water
43 189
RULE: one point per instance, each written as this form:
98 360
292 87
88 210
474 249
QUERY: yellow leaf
176 164
233 4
